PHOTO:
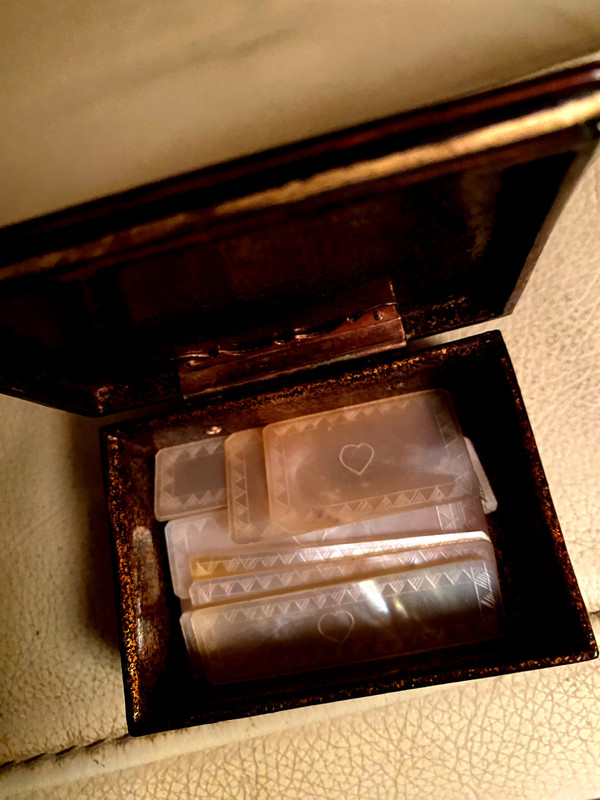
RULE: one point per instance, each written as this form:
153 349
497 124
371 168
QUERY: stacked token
350 534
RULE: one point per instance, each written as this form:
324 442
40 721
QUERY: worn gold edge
497 135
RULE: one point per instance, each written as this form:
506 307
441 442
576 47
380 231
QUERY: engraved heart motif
357 457
336 626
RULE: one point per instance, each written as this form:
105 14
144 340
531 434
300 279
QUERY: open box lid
346 244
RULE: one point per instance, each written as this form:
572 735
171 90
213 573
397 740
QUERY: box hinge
375 330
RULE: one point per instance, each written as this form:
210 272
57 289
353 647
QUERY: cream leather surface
533 735
96 97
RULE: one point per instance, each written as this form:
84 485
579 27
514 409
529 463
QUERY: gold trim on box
500 134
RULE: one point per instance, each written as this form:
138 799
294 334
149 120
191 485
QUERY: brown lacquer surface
546 620
450 204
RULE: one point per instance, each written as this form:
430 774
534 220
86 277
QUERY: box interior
546 620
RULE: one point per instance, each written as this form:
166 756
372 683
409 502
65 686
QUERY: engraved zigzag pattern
350 593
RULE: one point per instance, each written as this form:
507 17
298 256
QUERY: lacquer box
293 282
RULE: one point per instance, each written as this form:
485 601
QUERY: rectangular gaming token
248 501
200 547
190 478
275 581
361 620
366 461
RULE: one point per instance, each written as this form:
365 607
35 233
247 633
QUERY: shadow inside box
88 480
